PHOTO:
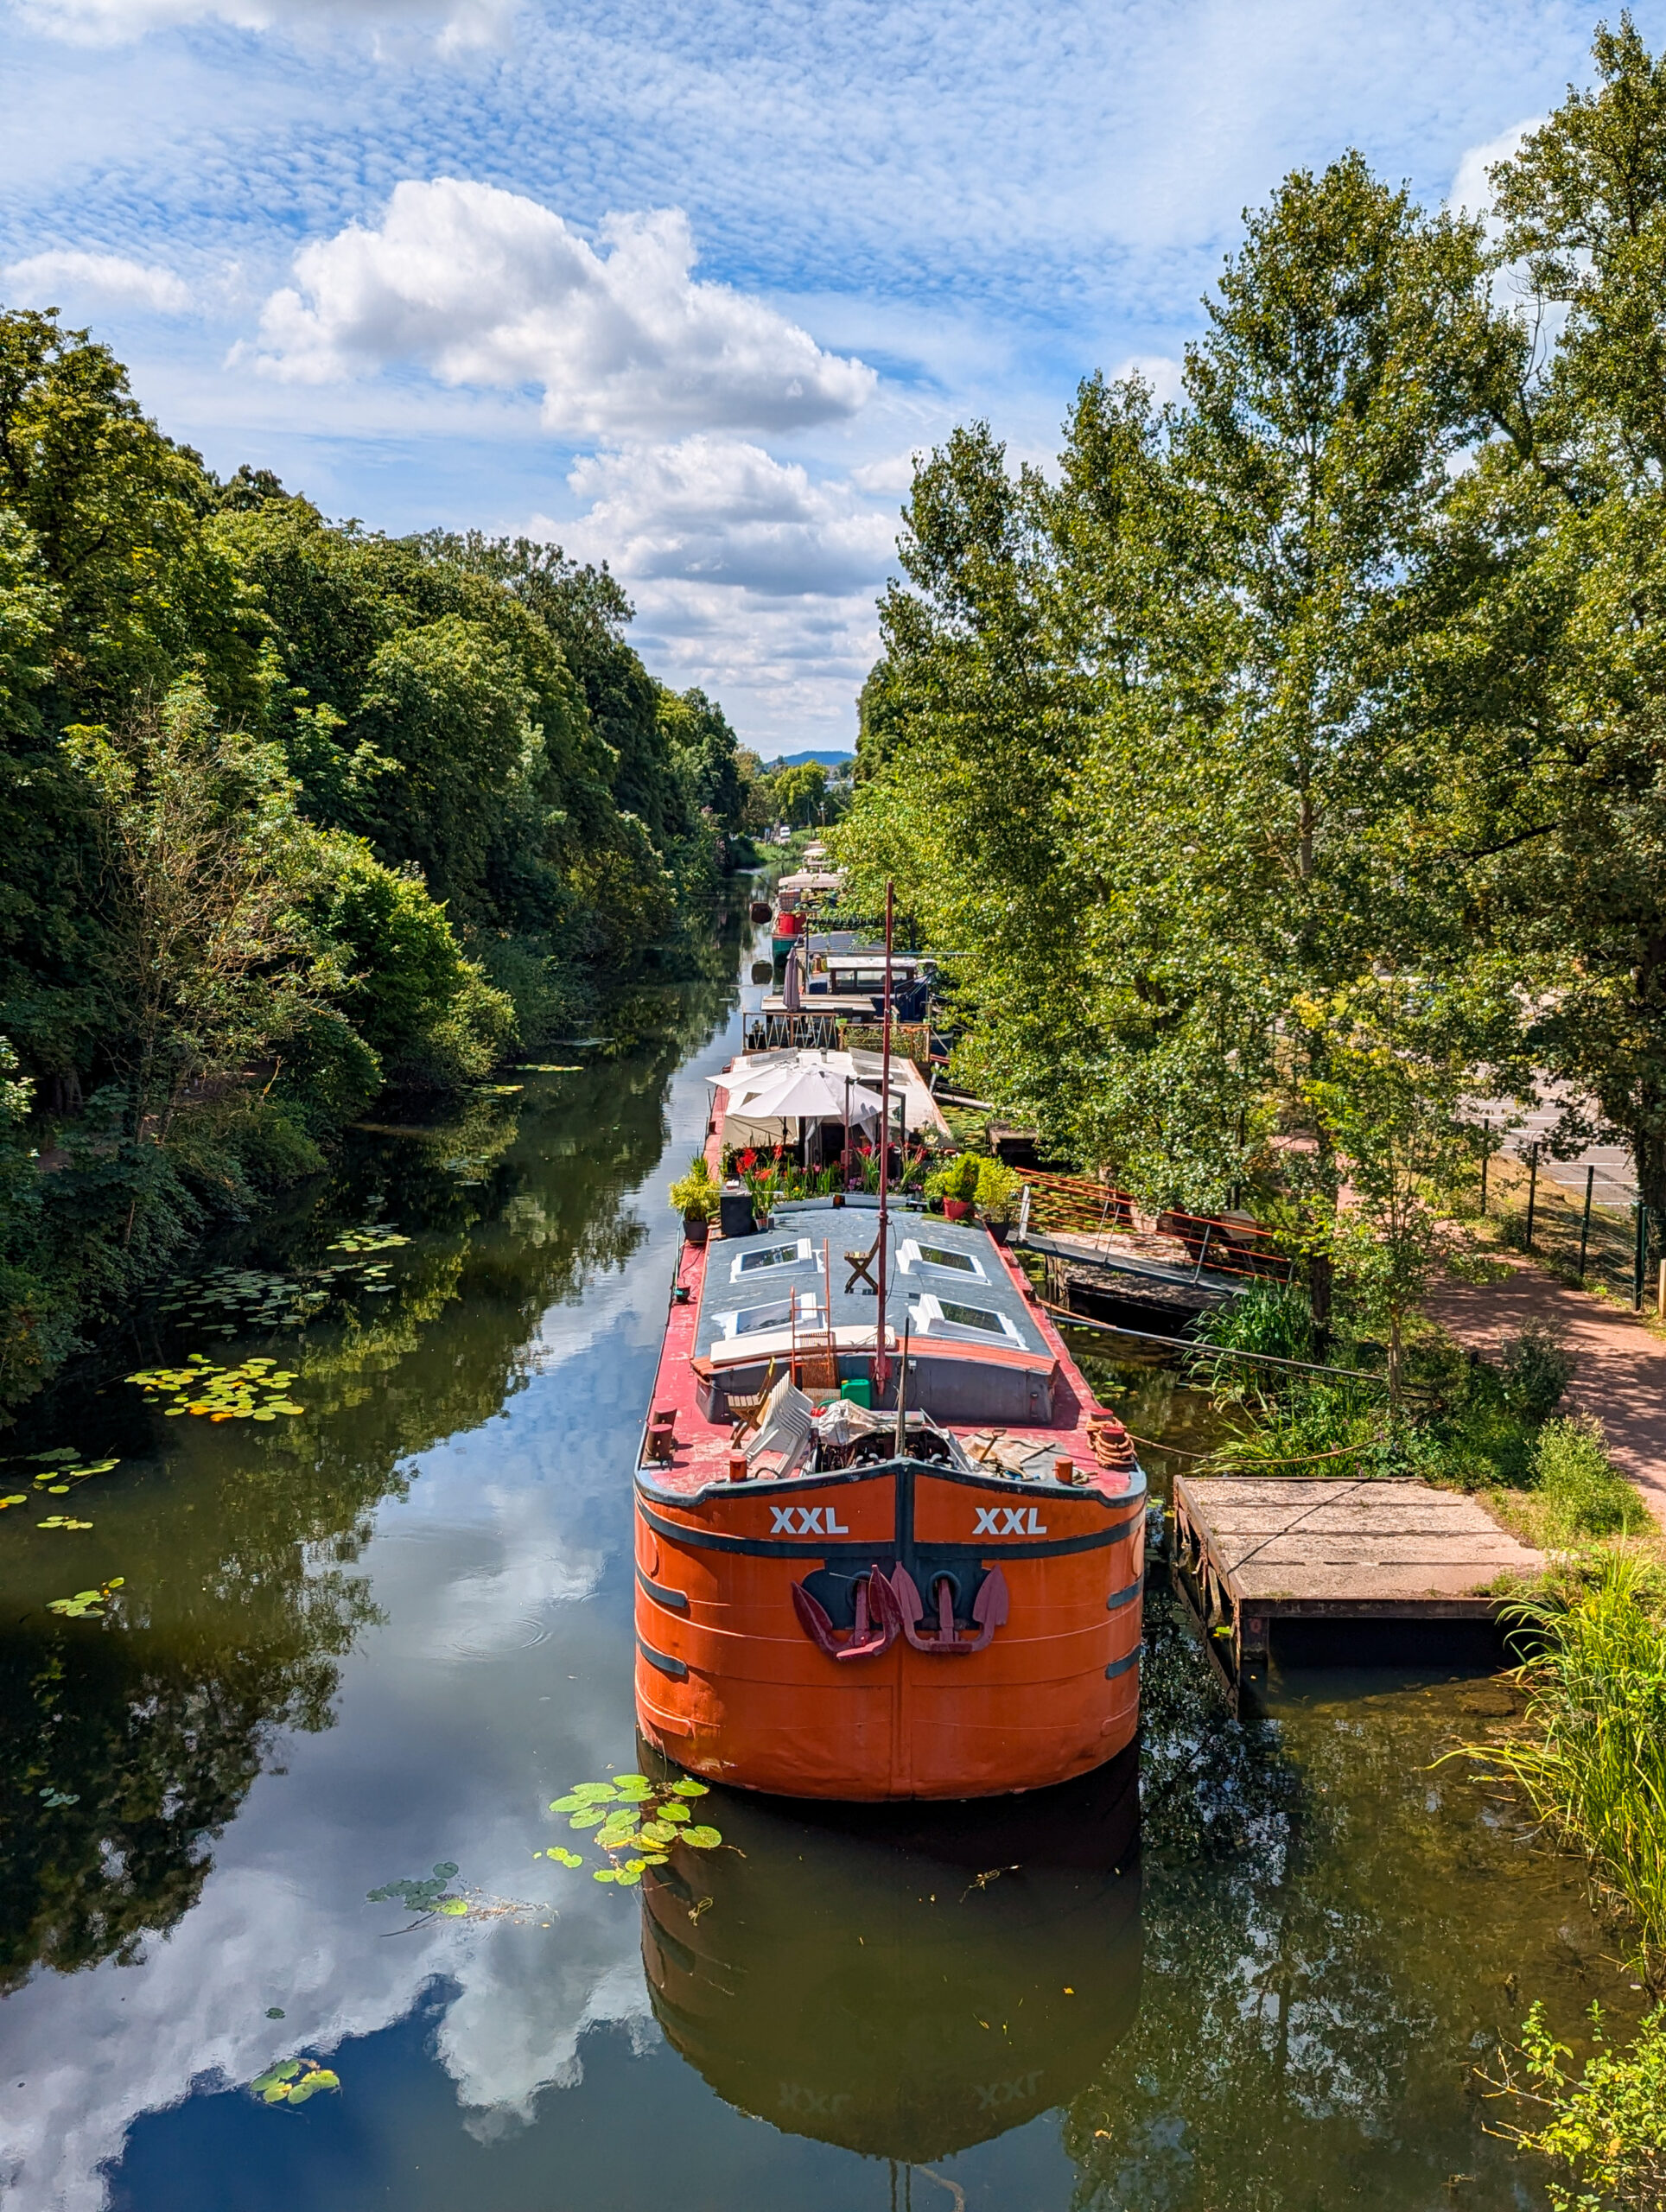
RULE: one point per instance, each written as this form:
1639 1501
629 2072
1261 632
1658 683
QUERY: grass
1575 1494
1593 1765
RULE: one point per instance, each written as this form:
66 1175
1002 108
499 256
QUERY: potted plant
696 1197
999 1188
956 1187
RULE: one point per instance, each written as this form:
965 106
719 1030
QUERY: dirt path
1621 1377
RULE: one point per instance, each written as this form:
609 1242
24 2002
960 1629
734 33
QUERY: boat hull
739 1679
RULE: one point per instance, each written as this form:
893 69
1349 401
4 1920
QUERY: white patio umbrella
801 1091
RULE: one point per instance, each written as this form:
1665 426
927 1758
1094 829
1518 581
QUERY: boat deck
701 1449
1252 1552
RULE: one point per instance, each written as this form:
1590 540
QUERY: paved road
1615 1185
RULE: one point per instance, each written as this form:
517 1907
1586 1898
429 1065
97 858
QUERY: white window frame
733 1326
928 1318
912 1257
738 1272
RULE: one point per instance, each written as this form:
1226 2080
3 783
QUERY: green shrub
1535 1372
997 1190
1605 2126
696 1192
1583 1492
959 1179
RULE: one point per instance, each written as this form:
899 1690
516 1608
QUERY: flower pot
838 1197
696 1227
957 1209
1001 1230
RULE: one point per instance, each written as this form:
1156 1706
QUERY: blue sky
684 285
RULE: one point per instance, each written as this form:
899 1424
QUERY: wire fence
1578 1216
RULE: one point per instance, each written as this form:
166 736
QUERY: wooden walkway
1250 1552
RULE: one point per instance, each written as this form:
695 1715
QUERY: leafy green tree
1550 680
1134 748
706 755
208 871
428 1013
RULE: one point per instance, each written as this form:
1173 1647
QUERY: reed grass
1594 1764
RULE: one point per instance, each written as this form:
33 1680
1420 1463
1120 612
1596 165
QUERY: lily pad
677 1812
591 1818
688 1787
702 1838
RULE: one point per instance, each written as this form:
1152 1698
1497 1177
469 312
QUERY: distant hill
796 760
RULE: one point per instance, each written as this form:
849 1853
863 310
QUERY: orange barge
860 1601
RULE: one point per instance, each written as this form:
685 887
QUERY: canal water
366 1643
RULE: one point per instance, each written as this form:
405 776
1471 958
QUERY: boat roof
811 878
947 1277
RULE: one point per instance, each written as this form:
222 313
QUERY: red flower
749 1161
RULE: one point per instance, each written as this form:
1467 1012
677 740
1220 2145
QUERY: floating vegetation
61 1521
294 2081
227 1298
425 1896
255 1391
54 1797
86 1605
56 1472
548 1067
233 1298
636 1823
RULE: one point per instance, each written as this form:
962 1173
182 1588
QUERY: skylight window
765 1256
753 1321
940 1259
947 1317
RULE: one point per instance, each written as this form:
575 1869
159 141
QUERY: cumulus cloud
456 23
719 511
751 577
482 286
45 278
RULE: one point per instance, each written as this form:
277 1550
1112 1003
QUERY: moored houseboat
887 1545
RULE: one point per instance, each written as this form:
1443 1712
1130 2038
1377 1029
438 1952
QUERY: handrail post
1585 1226
1532 1188
1203 1251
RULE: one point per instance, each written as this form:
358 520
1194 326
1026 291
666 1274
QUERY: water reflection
126 1746
903 1983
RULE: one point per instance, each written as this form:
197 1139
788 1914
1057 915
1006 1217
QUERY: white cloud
486 287
45 278
717 511
751 577
1471 191
893 474
456 23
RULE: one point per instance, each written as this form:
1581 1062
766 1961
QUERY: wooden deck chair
861 1268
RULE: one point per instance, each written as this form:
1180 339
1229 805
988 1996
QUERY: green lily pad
594 1793
659 1831
677 1812
688 1787
702 1838
591 1818
570 1803
454 1907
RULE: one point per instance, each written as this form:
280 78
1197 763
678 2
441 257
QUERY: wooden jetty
1250 1553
